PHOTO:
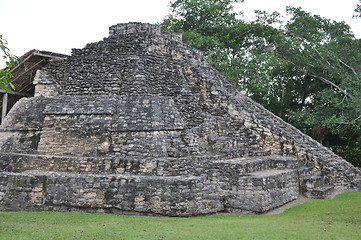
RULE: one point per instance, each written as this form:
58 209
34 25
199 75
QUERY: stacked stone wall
173 196
207 189
141 123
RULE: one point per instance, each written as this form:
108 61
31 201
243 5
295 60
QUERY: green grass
339 218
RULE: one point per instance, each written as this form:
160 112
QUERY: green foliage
206 25
336 219
205 16
357 10
352 153
306 70
327 56
11 60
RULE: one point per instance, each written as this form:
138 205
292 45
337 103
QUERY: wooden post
5 106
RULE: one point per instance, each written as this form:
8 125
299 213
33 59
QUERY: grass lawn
339 218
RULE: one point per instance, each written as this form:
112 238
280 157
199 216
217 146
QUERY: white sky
60 25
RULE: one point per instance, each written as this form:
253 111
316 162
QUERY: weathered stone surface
140 123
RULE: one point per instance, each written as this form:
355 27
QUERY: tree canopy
307 69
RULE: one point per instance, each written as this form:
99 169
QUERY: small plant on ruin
11 60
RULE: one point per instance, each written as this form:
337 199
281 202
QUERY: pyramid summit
140 123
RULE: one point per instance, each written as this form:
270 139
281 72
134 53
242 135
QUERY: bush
351 153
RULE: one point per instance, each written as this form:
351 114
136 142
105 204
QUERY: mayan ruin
140 123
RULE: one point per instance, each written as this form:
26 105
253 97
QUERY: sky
60 25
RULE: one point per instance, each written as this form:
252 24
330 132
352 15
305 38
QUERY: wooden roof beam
38 53
17 93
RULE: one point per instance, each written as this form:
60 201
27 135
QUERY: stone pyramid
140 123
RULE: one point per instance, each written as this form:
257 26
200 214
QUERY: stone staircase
313 185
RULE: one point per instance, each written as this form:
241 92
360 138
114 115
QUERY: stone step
305 171
211 186
310 182
261 163
264 190
313 186
141 194
190 166
322 192
119 193
269 173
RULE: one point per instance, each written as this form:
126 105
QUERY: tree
205 25
326 55
357 10
11 60
204 16
308 73
306 70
